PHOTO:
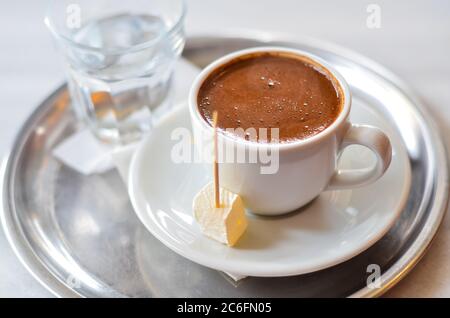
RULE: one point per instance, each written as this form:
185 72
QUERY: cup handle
372 138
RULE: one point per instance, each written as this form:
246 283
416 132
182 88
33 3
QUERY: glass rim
113 51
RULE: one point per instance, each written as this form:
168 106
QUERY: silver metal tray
79 236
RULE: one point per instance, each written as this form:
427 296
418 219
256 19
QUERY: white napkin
84 153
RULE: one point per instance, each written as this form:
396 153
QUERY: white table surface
413 41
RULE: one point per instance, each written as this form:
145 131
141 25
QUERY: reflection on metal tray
80 237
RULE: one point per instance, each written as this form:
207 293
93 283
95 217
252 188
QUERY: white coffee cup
306 167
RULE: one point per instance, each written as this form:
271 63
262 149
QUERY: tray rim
17 242
390 278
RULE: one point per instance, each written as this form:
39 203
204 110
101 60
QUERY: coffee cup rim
339 79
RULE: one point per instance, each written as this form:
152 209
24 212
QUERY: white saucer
333 228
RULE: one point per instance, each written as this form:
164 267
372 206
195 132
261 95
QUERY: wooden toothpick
216 163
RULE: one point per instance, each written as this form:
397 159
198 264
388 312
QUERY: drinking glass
119 57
